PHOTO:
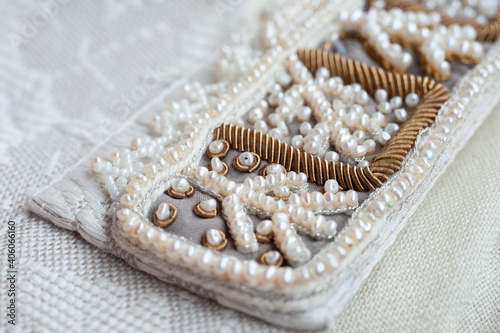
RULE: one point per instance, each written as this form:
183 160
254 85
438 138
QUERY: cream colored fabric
443 272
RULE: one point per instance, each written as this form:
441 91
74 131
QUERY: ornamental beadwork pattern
279 191
328 130
483 16
383 32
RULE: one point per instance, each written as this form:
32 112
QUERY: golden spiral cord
432 95
274 151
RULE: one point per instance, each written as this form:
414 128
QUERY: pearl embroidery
218 166
246 162
163 211
264 231
180 189
361 224
331 186
206 209
246 159
271 258
287 240
435 43
272 169
165 214
218 148
214 239
482 15
337 121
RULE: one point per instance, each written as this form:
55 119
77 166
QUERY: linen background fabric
72 72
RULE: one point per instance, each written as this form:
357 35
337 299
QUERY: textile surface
72 72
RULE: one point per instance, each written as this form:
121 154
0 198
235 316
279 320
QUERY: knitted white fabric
440 275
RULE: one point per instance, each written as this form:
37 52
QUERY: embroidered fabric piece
310 282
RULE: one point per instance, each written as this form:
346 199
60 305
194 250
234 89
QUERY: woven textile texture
72 72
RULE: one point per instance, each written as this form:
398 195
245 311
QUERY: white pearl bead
362 97
391 128
303 113
208 205
370 146
214 237
272 257
306 199
160 241
401 115
181 185
200 173
297 141
359 136
318 224
380 95
284 112
351 119
281 191
131 224
137 230
97 163
246 159
273 119
265 227
216 165
377 208
292 177
317 200
332 156
284 79
330 228
301 179
261 126
146 237
283 128
311 147
128 200
352 198
124 214
276 133
359 151
384 107
396 102
438 55
331 185
363 164
274 169
280 178
380 118
294 253
121 181
263 105
219 183
246 242
340 200
255 115
323 72
260 183
305 128
412 100
163 211
383 137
